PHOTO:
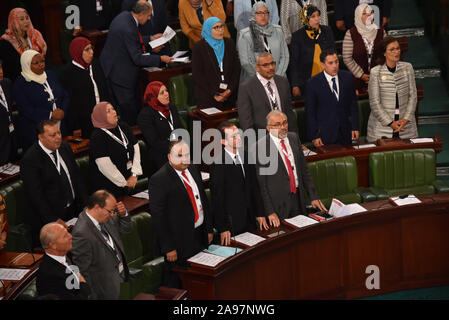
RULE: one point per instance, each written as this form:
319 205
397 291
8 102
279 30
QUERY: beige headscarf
369 30
25 61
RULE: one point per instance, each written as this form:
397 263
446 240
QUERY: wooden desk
328 260
19 261
135 205
361 155
213 120
164 293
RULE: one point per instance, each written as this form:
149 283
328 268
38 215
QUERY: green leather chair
364 112
179 42
398 172
301 125
145 269
337 178
182 95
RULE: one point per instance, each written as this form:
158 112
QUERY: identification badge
120 267
223 86
99 6
129 165
11 127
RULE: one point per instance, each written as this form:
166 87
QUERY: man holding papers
180 211
284 178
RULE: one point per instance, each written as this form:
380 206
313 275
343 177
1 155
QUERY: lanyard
369 45
170 121
265 44
123 142
51 98
97 94
221 71
4 102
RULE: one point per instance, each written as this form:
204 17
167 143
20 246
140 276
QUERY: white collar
137 22
47 151
78 65
276 140
263 80
94 221
60 259
329 77
231 154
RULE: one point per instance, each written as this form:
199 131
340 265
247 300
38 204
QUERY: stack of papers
12 274
248 238
410 199
177 57
10 169
301 221
142 195
339 209
168 34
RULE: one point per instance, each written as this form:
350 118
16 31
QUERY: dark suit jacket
122 56
51 279
91 19
8 144
43 185
275 186
97 261
344 10
206 72
253 104
158 21
236 198
325 114
173 214
156 132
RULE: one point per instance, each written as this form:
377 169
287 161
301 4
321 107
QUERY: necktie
199 13
274 104
65 180
105 233
192 197
334 87
141 42
291 176
239 163
3 98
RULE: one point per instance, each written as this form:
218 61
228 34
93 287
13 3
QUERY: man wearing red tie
180 211
284 178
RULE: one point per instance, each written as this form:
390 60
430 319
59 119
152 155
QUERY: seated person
243 13
215 67
39 96
261 36
361 46
85 83
4 228
192 14
306 47
157 120
114 153
19 36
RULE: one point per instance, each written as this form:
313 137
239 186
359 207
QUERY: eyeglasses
262 13
216 28
268 64
279 124
112 212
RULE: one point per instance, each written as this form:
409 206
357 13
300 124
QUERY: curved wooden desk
409 244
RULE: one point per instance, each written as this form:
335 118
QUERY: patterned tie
291 176
274 104
192 197
334 87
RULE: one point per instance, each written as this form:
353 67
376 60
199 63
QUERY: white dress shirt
196 195
233 155
273 86
278 145
329 81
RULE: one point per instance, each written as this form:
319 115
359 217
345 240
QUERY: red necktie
141 42
192 197
290 169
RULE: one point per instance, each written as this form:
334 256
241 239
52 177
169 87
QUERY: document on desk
339 209
142 195
222 251
363 146
301 221
152 69
182 59
9 169
206 259
210 111
411 199
12 274
168 34
248 238
308 152
421 140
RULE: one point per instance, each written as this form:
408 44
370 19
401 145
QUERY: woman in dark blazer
215 67
157 120
306 47
85 83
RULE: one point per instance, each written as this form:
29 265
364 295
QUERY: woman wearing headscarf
193 13
157 120
361 45
261 36
19 36
114 154
39 96
215 67
290 20
84 81
306 47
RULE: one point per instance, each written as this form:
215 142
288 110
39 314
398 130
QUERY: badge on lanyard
129 165
223 86
11 127
120 267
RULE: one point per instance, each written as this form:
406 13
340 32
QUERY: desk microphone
356 143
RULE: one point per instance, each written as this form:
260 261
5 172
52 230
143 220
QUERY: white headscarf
25 61
369 30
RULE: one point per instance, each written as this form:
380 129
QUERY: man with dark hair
122 57
234 188
180 211
97 247
331 104
8 140
51 180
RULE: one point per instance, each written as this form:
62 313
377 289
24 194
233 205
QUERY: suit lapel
271 146
261 92
326 87
96 232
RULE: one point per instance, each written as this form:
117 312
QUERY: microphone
356 143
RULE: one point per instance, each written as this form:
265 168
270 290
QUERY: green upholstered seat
364 112
397 172
181 89
142 182
179 42
337 178
301 124
83 165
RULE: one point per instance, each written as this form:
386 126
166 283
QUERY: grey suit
253 104
275 188
97 261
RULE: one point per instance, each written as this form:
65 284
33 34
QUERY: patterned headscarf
305 14
369 30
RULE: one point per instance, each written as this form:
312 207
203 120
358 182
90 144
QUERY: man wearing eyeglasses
97 248
263 93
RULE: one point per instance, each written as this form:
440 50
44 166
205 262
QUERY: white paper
349 209
308 153
301 221
421 140
205 176
12 274
183 59
179 54
210 111
248 238
362 146
71 222
168 34
206 259
411 199
152 69
142 195
336 207
10 169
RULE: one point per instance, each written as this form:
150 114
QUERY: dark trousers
125 101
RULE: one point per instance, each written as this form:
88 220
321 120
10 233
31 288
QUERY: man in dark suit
97 247
234 188
95 15
8 142
56 275
262 93
345 9
51 179
285 177
331 104
180 211
123 55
